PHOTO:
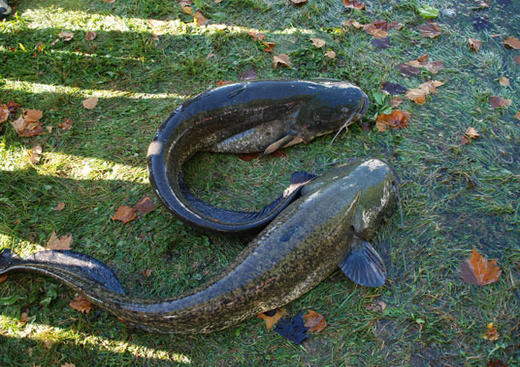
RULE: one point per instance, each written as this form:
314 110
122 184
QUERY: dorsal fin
363 265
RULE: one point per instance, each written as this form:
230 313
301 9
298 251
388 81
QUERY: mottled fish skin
293 254
243 118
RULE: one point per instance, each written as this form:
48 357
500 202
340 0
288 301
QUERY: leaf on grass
292 329
186 6
503 81
408 70
200 19
109 1
422 62
378 306
477 270
381 42
66 124
124 214
271 318
66 35
352 23
496 363
354 4
59 243
491 333
474 44
4 113
248 75
512 42
268 46
147 273
393 88
472 133
223 82
81 304
396 101
395 120
430 30
90 36
90 103
498 102
145 205
59 207
517 60
298 2
377 29
517 116
248 157
257 36
318 42
282 59
315 321
279 154
3 278
330 54
24 317
419 94
36 154
72 364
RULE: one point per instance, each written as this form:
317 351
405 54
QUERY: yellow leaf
270 321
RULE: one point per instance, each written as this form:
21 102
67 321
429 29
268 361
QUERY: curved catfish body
295 252
258 116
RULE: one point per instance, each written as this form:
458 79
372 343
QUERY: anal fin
363 265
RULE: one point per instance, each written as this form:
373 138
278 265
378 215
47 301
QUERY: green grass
454 196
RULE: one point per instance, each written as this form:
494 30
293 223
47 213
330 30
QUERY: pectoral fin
287 140
363 265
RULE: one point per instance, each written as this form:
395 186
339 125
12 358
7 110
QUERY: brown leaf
90 103
422 62
396 120
378 306
378 29
463 140
257 36
503 81
517 60
200 19
479 271
354 4
282 59
248 157
512 42
419 94
497 102
496 363
90 36
396 101
59 243
223 82
3 278
66 124
4 113
472 133
353 23
430 30
315 321
279 154
59 207
298 2
474 44
24 317
32 115
517 115
124 214
66 35
36 154
270 321
330 54
145 205
268 46
81 304
408 70
147 273
491 333
186 6
318 42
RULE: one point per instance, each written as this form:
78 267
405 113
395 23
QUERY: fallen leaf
72 364
352 23
503 81
498 102
32 115
4 113
186 6
376 29
28 124
517 60
393 88
200 19
512 42
145 205
146 273
298 2
248 157
90 36
396 101
408 70
257 36
430 30
463 140
59 207
59 243
472 133
355 4
3 278
223 82
330 54
90 103
66 35
491 333
24 317
422 62
496 363
66 124
479 271
36 154
381 42
268 46
109 1
419 94
248 75
315 321
474 44
279 154
124 214
282 59
517 115
378 306
395 120
318 42
271 320
81 304
217 1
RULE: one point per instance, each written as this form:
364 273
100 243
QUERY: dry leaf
396 120
268 46
59 243
59 207
200 19
24 317
378 306
146 273
72 364
497 102
36 154
90 103
186 6
257 36
330 54
124 214
352 23
474 44
223 82
4 113
377 29
32 115
81 304
512 42
109 1
479 271
66 124
282 59
66 35
472 133
355 4
90 36
419 94
315 321
503 81
248 157
318 42
145 205
517 115
491 333
298 2
396 101
422 62
430 30
517 60
3 278
496 363
270 321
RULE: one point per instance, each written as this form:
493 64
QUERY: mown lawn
149 56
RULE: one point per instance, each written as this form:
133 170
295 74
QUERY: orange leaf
3 278
282 59
474 44
124 214
315 321
270 321
491 332
90 103
503 81
257 36
472 133
268 46
396 120
512 42
517 115
81 304
355 4
59 243
32 115
479 271
186 6
145 205
200 19
60 206
497 102
223 82
90 36
419 94
66 124
146 273
248 157
430 30
4 113
396 101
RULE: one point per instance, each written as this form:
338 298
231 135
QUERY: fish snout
5 10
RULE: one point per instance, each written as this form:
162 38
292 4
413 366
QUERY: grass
147 58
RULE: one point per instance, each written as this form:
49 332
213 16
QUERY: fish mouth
5 9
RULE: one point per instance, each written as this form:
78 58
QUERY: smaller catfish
328 226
